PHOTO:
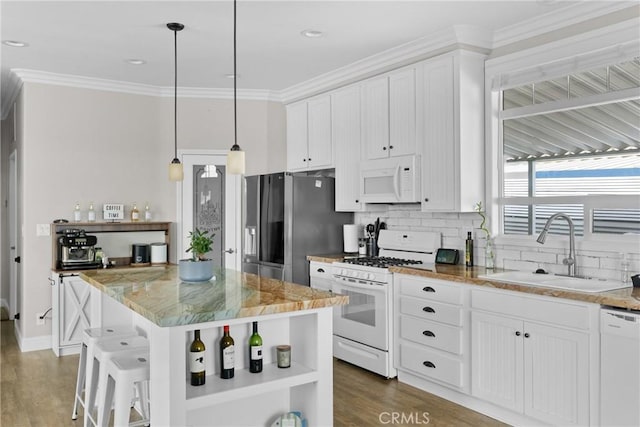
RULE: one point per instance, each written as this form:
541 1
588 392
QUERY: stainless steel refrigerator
287 217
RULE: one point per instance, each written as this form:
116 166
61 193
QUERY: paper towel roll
158 253
350 238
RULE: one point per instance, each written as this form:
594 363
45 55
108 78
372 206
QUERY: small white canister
350 238
158 253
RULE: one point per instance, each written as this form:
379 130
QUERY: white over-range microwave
390 180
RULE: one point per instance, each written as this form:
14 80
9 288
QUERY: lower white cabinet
517 357
74 308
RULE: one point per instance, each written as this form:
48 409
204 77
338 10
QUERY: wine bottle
468 255
255 351
135 213
227 355
196 361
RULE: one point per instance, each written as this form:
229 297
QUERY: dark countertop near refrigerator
622 298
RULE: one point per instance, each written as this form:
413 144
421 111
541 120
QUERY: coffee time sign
112 212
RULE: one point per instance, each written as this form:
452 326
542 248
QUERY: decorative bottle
91 215
77 213
468 253
489 254
135 214
147 212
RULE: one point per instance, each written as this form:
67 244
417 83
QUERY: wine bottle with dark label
468 254
227 355
196 361
255 350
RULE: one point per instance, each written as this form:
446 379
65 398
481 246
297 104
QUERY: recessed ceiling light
136 61
15 43
312 34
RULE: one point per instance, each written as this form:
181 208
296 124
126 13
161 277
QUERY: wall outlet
39 321
43 230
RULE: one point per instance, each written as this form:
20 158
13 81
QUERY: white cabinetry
74 308
431 331
345 126
321 276
309 144
451 130
532 356
389 115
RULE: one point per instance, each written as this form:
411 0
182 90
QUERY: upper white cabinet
389 115
345 121
450 111
309 144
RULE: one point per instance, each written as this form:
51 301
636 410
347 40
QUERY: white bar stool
105 350
89 338
123 373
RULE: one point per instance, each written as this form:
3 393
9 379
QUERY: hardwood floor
36 389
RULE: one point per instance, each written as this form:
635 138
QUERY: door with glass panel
210 201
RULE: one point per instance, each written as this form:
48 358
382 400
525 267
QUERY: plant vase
489 253
195 271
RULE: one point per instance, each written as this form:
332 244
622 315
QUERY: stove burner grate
381 262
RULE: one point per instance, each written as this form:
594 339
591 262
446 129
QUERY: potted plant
197 268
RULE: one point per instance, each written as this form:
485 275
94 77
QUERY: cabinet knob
426 199
321 270
518 333
428 289
309 159
304 160
384 148
428 364
428 334
526 335
391 147
357 201
428 309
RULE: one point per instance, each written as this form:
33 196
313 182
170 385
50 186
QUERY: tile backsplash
512 252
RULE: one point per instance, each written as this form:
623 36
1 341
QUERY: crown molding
44 77
413 51
556 20
14 85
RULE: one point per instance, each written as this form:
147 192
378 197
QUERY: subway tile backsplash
603 264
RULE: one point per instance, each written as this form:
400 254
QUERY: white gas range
363 329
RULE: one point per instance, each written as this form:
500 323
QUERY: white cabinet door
402 112
297 152
319 133
375 118
345 125
556 375
497 360
77 311
451 131
439 170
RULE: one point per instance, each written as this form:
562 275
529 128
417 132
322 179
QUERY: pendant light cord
235 84
175 93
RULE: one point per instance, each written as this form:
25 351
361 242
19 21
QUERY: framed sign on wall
113 212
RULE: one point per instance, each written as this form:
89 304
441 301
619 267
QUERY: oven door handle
373 287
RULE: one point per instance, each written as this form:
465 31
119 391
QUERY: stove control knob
371 276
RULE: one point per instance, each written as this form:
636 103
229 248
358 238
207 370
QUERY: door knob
230 251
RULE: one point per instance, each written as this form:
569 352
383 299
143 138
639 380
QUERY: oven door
364 319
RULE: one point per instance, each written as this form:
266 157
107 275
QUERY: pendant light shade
235 156
175 167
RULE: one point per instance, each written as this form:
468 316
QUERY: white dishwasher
619 367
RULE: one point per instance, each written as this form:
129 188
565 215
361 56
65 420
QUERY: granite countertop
157 294
622 298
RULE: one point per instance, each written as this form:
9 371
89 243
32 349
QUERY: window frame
605 46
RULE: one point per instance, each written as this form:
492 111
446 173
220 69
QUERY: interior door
210 200
14 251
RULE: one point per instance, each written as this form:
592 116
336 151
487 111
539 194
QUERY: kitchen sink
582 284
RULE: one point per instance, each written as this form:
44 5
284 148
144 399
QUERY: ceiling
95 38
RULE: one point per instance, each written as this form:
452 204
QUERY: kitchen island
167 311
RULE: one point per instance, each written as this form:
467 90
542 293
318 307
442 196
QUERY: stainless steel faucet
570 261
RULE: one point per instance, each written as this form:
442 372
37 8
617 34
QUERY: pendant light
175 167
235 156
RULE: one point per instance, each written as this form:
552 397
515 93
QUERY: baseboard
42 342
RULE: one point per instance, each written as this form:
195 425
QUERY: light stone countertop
157 294
622 298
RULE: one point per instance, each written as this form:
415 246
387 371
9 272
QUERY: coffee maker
76 250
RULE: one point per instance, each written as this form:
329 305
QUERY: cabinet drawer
430 364
435 290
431 310
443 337
560 313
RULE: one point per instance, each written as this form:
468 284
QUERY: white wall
83 145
